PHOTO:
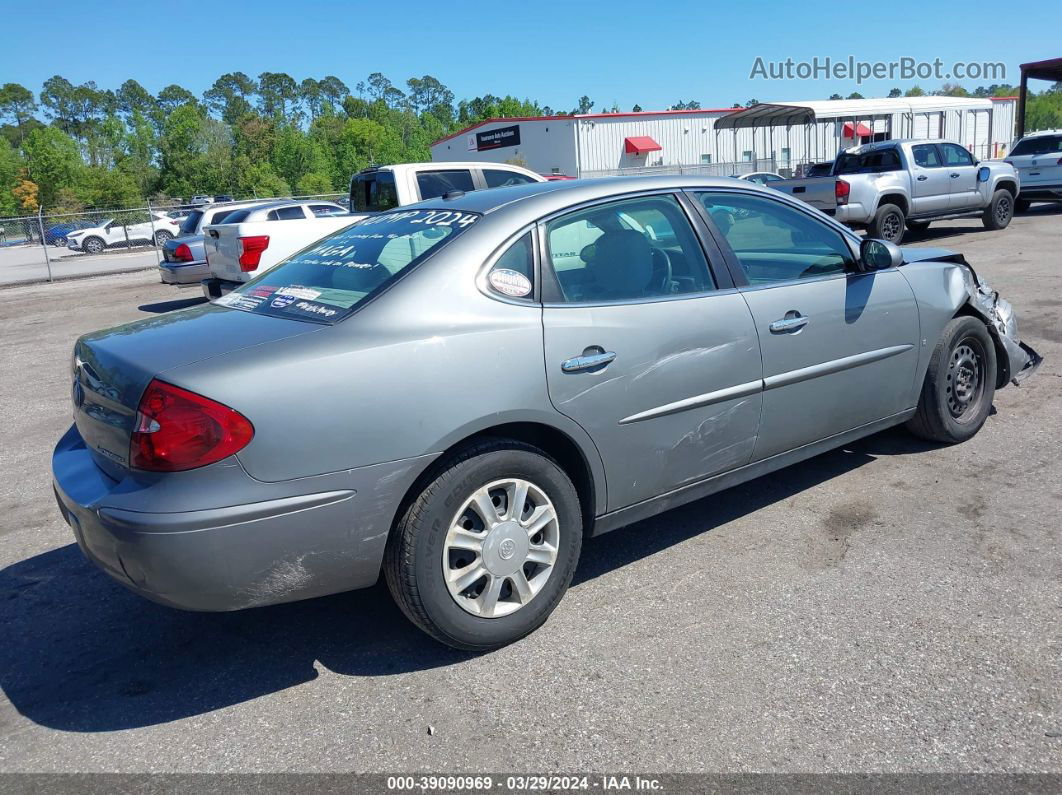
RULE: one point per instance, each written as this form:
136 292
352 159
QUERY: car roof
542 198
401 168
1038 133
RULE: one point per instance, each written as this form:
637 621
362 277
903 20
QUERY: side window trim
737 272
548 286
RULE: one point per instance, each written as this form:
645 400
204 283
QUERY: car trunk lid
112 367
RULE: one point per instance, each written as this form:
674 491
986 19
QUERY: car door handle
953 176
923 178
793 321
587 361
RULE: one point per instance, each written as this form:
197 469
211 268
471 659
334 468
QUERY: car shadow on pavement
80 653
172 306
941 229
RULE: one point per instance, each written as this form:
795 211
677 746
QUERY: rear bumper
1041 193
183 272
290 547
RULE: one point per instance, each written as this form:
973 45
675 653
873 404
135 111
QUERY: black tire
92 245
1000 210
943 391
161 237
413 562
59 242
888 224
1022 205
917 227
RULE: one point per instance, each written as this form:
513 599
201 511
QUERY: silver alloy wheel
501 548
93 246
890 226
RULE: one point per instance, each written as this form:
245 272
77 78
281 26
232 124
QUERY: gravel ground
890 606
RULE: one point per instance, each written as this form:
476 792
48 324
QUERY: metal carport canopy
794 113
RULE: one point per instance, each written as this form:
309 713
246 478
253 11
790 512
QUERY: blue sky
650 53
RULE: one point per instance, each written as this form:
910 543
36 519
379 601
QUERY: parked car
1038 159
57 235
438 393
184 258
123 232
252 240
222 197
240 253
891 186
762 177
201 199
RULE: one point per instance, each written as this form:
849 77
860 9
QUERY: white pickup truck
242 248
889 187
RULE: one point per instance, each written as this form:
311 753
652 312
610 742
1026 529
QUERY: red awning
640 144
860 130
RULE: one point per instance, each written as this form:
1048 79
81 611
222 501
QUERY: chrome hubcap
965 379
501 548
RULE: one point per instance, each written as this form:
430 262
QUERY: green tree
18 105
134 98
10 167
914 91
894 93
53 162
230 96
278 95
313 184
174 96
333 92
855 95
636 109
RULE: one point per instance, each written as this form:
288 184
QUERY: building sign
496 139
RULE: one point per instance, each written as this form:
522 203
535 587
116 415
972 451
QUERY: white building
775 136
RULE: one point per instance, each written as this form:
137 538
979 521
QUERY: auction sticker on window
510 282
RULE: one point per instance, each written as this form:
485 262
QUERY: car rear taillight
841 189
177 430
251 249
182 253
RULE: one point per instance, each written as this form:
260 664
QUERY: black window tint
373 191
237 216
497 178
433 184
513 274
286 214
926 156
957 156
873 162
774 242
191 221
1040 145
627 250
326 209
219 216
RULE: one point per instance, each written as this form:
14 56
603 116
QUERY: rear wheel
486 551
93 245
997 215
1021 205
888 224
918 227
959 386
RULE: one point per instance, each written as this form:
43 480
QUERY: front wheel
959 386
161 237
998 213
486 551
888 224
93 245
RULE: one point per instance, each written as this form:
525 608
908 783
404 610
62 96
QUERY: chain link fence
57 245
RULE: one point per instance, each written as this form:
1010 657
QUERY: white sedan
116 232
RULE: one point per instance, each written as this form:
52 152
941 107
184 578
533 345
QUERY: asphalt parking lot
890 606
26 263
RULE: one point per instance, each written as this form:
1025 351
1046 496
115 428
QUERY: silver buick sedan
457 392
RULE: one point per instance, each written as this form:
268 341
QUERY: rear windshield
327 281
190 222
868 162
373 191
1040 145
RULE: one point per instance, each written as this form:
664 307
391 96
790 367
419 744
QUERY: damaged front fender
1018 361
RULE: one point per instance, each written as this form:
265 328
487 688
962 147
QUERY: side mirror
877 255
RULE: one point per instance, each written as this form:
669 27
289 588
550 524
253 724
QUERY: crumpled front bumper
1021 360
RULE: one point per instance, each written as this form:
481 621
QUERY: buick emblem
506 549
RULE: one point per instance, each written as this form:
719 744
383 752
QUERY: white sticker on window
510 282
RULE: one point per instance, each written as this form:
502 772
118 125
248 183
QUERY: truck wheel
917 227
997 215
486 551
888 224
959 385
92 245
1022 205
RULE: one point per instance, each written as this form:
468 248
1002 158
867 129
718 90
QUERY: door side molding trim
697 401
832 366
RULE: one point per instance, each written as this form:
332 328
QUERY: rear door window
326 282
294 213
499 178
433 184
873 162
